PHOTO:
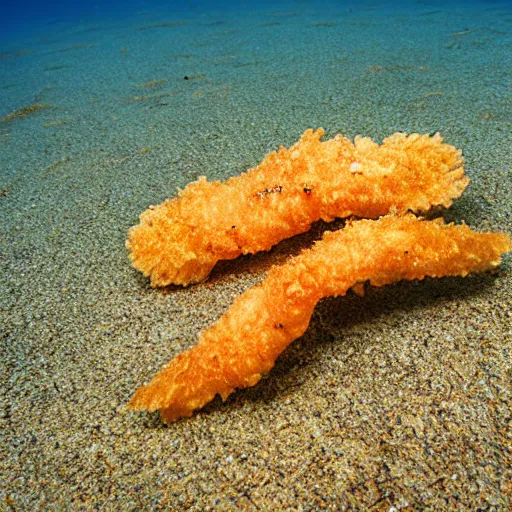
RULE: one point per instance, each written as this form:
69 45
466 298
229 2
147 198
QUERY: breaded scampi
244 344
181 240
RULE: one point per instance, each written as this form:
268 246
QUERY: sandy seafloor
400 400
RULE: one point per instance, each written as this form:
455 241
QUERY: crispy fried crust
262 322
182 239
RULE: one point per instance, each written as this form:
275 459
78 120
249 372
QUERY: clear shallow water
326 65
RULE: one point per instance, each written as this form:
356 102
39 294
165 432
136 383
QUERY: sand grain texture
400 398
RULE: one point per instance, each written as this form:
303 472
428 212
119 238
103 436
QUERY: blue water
263 70
23 16
20 16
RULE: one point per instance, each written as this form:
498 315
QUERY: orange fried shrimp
182 239
244 344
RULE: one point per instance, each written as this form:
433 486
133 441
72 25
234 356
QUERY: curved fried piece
182 239
262 322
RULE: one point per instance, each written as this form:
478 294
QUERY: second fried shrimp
244 344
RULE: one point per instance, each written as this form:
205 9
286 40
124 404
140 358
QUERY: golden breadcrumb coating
182 239
262 322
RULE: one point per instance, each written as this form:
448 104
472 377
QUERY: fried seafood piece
182 239
244 344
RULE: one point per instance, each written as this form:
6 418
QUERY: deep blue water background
22 17
18 16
